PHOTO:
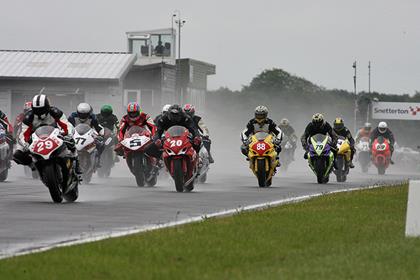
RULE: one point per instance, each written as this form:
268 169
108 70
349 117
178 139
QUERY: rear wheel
52 181
261 173
203 178
178 175
3 175
138 169
73 194
340 171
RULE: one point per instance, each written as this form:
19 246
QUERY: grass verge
356 235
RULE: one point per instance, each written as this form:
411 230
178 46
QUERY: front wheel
320 168
50 175
381 170
138 169
178 175
261 173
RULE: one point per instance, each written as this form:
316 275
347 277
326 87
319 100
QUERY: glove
247 142
197 141
158 143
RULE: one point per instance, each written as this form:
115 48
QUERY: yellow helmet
338 124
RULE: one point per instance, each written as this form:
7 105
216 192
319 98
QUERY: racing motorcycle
203 164
4 155
262 158
108 155
363 152
342 160
381 154
136 140
84 137
320 157
180 158
287 153
52 160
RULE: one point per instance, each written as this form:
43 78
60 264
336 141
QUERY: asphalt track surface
30 220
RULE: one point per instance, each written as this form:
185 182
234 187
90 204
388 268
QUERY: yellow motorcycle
342 160
262 158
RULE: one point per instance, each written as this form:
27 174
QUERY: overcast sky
318 40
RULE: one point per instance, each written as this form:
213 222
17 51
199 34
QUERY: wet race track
30 220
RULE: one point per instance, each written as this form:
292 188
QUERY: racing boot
351 165
305 156
391 161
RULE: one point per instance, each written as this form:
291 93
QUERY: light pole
369 67
180 22
355 94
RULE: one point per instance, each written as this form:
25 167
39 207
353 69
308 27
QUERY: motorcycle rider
134 117
84 114
365 131
289 132
4 122
19 118
384 131
202 128
318 125
341 130
177 116
107 119
164 111
41 114
261 123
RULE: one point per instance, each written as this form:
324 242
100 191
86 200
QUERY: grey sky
318 40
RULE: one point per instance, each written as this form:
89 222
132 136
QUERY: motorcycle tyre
178 175
73 194
51 180
261 173
3 175
139 170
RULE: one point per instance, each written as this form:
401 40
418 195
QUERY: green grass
357 235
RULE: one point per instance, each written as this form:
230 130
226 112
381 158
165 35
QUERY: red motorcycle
381 154
180 158
144 167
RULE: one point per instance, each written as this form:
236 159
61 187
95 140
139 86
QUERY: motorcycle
381 154
54 164
287 153
321 158
262 158
180 158
363 154
84 137
203 165
4 155
136 140
342 160
108 155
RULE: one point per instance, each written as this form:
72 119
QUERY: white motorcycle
203 165
287 153
4 155
53 161
85 137
363 149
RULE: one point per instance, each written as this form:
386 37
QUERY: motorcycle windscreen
176 131
319 142
261 135
136 130
44 131
82 128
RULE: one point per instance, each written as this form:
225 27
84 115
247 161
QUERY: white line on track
150 227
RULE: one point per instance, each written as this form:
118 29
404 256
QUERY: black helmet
175 113
41 105
338 124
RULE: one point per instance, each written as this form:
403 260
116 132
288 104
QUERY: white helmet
40 105
382 127
83 111
261 112
166 108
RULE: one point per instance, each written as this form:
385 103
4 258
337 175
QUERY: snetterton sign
396 111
